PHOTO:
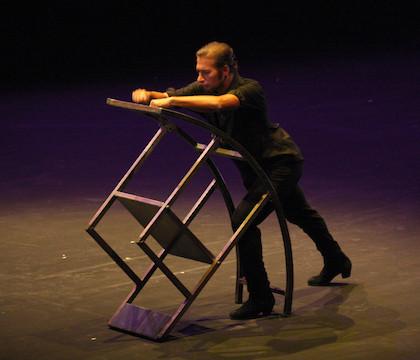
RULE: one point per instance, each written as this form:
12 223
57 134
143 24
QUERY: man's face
209 76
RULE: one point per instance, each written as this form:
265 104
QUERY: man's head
216 66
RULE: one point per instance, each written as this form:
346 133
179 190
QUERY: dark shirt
248 124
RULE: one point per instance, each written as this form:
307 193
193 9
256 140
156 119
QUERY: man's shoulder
245 80
249 92
248 84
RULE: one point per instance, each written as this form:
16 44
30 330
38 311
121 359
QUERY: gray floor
59 291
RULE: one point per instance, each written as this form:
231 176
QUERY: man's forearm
205 102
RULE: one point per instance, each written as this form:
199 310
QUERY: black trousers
284 174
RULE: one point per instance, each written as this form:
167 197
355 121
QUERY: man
237 106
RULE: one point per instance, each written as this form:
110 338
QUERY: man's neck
226 84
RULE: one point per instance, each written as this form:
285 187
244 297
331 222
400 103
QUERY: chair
172 233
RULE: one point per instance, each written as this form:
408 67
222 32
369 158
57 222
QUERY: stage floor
358 123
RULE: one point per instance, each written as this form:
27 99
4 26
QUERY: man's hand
141 96
163 103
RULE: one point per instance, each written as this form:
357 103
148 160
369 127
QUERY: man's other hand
141 96
162 103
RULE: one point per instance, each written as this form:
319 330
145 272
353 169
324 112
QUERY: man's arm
144 96
202 103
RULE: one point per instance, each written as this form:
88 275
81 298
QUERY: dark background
71 41
340 75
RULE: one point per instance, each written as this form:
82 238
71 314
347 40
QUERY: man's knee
302 216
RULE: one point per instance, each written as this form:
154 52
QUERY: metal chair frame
173 234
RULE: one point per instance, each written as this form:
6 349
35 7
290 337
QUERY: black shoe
330 270
253 308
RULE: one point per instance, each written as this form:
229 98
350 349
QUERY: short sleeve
250 94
